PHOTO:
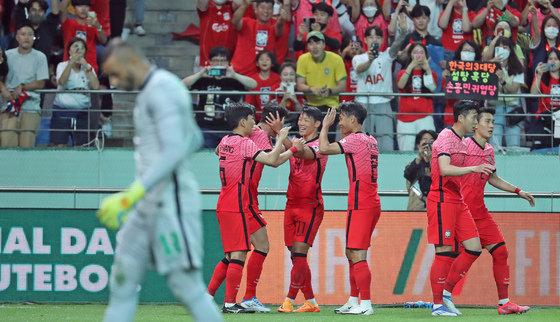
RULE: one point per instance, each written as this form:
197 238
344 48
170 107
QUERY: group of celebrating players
459 224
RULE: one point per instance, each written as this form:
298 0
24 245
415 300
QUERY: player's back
472 185
362 155
236 154
304 187
446 188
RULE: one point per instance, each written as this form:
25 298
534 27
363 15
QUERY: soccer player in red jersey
237 155
304 209
449 219
479 151
364 209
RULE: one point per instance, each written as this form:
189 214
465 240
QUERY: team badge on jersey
226 16
262 38
448 234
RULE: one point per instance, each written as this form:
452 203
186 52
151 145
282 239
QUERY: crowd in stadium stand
319 47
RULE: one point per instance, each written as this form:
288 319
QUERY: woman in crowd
267 81
371 15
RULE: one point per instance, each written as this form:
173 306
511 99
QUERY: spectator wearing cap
255 35
84 26
321 74
215 19
322 13
28 71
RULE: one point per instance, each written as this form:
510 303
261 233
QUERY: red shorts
448 222
360 224
301 223
255 220
488 231
233 229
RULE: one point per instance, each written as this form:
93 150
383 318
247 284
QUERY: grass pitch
94 312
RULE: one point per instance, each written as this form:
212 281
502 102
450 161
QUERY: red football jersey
304 187
472 185
270 84
237 154
217 30
251 39
454 35
444 188
415 104
361 154
70 29
262 140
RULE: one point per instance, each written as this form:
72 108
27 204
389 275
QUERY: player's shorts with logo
448 222
301 223
360 224
234 230
488 230
255 219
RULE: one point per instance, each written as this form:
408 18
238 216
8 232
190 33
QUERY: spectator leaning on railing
75 74
210 111
28 71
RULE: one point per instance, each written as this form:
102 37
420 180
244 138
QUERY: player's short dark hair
419 11
42 3
81 3
312 112
422 133
271 108
257 2
463 107
219 51
378 31
236 112
485 110
354 108
321 6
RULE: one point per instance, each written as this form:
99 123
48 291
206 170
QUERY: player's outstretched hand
283 133
484 168
275 122
114 209
527 196
329 117
299 144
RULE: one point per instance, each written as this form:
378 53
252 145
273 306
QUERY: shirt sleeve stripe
255 156
340 145
441 154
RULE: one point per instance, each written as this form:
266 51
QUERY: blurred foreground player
364 208
238 154
304 209
449 218
479 151
164 228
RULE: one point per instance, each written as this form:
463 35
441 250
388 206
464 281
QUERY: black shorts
67 124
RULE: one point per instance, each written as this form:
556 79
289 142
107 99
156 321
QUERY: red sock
459 268
233 279
254 269
307 287
298 274
363 279
438 274
353 287
501 269
218 277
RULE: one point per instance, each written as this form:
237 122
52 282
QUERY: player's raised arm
503 185
271 158
325 147
297 146
449 170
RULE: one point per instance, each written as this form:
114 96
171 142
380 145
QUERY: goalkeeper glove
114 209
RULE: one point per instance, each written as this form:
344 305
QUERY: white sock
312 301
352 300
446 293
291 300
365 303
503 301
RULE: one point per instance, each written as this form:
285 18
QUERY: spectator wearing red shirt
215 20
267 81
371 15
417 77
456 23
322 13
83 26
542 9
303 9
487 17
255 35
101 8
352 48
547 81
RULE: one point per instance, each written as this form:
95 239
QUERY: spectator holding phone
352 47
418 173
374 69
417 77
322 14
420 16
371 15
71 109
546 81
267 81
511 77
289 99
545 38
219 76
497 10
502 29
